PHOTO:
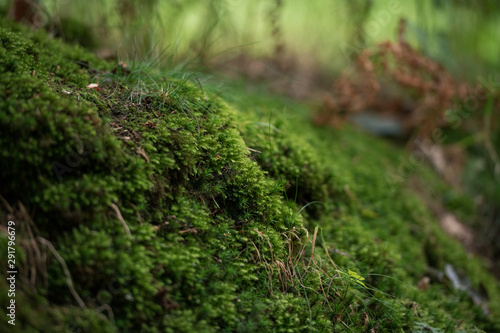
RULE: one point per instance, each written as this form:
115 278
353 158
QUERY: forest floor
152 201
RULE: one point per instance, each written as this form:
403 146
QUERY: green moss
374 225
177 212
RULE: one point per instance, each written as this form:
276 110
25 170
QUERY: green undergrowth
157 204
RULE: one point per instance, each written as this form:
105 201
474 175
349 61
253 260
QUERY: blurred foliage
196 31
207 28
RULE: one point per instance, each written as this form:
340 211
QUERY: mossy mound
151 205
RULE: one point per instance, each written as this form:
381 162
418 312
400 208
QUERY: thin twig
37 254
69 281
193 230
139 218
120 217
254 150
204 93
6 204
346 326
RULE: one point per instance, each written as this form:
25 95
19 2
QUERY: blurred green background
463 34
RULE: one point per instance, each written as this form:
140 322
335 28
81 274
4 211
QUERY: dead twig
69 281
120 218
193 230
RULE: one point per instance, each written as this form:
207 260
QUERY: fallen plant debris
394 79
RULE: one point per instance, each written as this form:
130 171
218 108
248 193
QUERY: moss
176 211
374 225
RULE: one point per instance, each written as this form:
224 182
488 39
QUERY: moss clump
148 195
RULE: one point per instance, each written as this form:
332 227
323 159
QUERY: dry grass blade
34 254
69 281
293 272
122 220
139 218
6 204
35 257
